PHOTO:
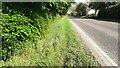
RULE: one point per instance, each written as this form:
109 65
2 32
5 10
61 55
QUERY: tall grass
60 47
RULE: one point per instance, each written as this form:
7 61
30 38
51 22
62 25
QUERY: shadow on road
110 20
100 19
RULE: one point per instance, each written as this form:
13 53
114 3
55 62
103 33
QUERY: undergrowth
60 47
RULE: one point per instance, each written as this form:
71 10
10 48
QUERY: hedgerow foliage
107 9
27 21
111 11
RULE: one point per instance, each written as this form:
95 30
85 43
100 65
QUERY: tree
106 9
81 9
97 6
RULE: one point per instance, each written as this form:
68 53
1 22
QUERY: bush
28 21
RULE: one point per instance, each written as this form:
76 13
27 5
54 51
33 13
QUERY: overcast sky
81 1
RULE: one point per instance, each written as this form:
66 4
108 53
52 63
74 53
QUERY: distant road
103 33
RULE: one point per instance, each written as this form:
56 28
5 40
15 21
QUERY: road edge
99 54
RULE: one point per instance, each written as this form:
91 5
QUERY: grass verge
60 47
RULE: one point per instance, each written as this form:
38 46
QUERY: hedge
27 21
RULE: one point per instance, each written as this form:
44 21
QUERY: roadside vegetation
38 34
60 47
24 22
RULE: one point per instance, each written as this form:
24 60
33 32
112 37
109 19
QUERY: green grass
60 47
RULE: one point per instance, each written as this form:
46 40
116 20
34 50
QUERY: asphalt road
103 33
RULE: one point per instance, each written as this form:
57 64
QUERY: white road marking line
105 58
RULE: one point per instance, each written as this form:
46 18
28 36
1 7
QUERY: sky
84 1
95 1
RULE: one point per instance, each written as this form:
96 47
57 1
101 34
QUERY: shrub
26 21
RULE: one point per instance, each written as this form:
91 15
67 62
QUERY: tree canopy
81 9
106 9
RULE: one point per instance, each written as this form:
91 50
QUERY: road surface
103 33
